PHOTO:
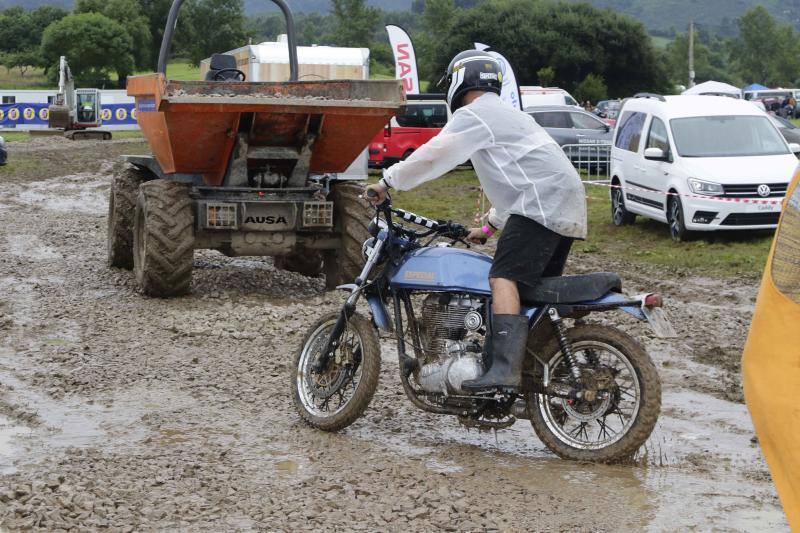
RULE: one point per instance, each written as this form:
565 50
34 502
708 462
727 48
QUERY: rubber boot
506 350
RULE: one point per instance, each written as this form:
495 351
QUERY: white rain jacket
521 168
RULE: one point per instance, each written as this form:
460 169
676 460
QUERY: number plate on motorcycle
661 325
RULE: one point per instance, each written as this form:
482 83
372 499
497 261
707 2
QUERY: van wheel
406 155
619 215
675 219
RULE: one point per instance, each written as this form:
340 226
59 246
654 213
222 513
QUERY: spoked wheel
613 426
619 215
336 397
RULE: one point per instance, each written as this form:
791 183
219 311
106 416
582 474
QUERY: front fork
324 357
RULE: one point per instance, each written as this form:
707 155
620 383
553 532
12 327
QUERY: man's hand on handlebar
476 236
375 193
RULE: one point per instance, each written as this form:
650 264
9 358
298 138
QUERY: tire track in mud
131 413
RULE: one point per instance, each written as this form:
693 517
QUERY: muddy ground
132 413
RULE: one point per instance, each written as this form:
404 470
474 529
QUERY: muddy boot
506 352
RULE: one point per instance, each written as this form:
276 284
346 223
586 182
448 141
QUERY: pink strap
487 231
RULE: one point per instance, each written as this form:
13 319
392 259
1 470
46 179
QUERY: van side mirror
387 130
655 154
794 147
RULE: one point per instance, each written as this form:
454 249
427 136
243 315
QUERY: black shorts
527 251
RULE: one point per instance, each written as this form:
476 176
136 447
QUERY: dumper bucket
192 126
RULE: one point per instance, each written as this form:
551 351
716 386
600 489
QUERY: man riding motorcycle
537 200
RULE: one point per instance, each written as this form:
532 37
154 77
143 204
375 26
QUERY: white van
535 96
698 163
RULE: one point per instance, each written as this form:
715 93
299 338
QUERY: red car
423 116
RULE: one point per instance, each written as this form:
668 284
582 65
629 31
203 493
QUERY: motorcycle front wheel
619 421
337 396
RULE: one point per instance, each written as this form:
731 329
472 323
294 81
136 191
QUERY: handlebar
448 229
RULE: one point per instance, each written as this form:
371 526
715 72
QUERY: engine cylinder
443 319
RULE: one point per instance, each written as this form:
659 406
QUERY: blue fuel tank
443 269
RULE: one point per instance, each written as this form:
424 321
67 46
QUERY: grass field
22 136
34 78
723 254
177 70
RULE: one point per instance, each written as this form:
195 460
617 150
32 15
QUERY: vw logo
764 190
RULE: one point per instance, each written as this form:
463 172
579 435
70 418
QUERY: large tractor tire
163 238
121 209
352 216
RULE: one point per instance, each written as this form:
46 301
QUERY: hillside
662 17
719 16
253 6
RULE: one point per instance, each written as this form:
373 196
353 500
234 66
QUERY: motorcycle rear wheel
335 398
609 429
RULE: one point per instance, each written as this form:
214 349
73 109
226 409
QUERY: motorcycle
590 391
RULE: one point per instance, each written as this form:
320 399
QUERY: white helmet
471 70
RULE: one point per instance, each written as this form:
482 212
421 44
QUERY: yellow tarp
771 361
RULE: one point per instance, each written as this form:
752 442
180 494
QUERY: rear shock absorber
563 342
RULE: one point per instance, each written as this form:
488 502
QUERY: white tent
715 88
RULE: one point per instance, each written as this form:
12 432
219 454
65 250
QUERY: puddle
287 466
9 446
698 471
81 193
31 247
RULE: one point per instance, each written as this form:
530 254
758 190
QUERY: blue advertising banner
119 114
13 115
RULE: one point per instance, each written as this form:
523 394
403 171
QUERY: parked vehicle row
671 158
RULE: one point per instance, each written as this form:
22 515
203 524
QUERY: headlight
705 187
368 247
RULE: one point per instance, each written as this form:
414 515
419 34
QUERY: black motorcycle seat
570 289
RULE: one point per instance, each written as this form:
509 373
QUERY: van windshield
726 136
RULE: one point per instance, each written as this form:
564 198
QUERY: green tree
437 18
711 61
766 52
574 39
94 45
43 16
211 26
592 88
21 34
128 14
355 23
155 12
546 75
16 31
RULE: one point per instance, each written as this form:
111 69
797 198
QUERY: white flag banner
405 61
509 92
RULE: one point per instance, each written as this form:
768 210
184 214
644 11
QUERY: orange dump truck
245 168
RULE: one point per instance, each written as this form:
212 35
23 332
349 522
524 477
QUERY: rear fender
615 297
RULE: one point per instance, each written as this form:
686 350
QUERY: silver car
585 138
